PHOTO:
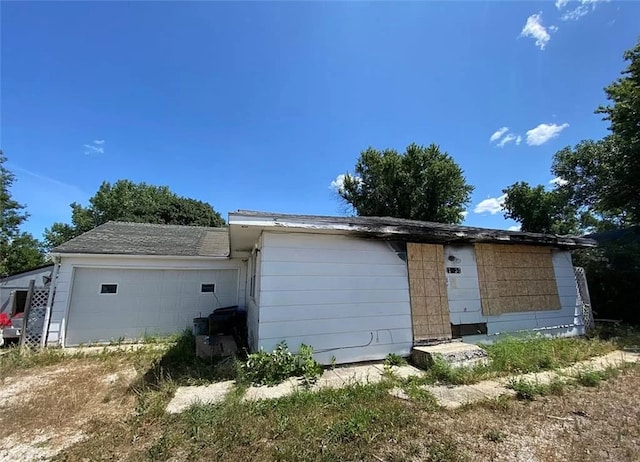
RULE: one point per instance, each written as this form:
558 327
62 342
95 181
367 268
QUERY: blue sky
261 105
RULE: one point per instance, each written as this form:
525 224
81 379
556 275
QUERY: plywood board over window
516 278
428 290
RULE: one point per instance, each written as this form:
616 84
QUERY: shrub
272 368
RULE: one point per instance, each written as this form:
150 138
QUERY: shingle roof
119 238
411 230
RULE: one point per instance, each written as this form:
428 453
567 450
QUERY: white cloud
507 139
518 140
498 134
584 8
464 214
543 133
337 185
514 228
95 147
491 205
533 28
558 181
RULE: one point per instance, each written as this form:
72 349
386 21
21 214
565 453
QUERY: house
354 288
13 289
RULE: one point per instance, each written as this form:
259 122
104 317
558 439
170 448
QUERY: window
516 278
207 288
109 289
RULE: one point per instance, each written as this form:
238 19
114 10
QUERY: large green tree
19 251
423 183
134 202
623 113
599 186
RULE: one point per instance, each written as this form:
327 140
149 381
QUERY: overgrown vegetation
519 355
272 368
528 389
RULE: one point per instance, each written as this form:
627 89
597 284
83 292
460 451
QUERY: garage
124 281
126 304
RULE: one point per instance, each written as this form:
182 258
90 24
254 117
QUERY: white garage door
145 302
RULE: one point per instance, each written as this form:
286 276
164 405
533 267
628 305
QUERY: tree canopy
133 202
598 184
423 183
19 251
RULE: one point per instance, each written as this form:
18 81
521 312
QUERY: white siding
346 297
20 281
113 266
465 306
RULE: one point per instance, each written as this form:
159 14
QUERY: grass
127 421
518 355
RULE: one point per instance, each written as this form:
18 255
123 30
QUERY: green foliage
495 436
272 368
133 202
527 390
613 272
393 359
423 183
19 251
441 371
538 210
623 113
601 179
535 354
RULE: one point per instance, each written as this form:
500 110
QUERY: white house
354 288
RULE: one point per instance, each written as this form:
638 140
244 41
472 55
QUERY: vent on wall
454 270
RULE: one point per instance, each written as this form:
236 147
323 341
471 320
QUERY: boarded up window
428 290
515 278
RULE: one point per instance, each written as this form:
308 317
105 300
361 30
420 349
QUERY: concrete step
457 354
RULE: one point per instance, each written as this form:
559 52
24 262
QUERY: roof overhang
245 227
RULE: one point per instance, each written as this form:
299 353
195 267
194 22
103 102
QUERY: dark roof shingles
120 238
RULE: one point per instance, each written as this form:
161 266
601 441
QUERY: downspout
52 291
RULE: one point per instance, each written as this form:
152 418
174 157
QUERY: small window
207 288
109 289
454 270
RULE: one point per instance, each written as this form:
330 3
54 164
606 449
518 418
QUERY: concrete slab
457 354
186 397
283 389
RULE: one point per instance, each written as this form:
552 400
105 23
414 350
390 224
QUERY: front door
428 291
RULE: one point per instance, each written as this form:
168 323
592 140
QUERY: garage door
112 304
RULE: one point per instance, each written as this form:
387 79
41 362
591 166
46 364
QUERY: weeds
393 359
533 354
272 368
527 390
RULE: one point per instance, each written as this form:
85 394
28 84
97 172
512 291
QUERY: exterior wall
346 297
64 282
465 306
20 281
253 313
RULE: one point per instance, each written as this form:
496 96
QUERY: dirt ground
44 410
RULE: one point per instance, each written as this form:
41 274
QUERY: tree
423 183
540 211
19 251
600 180
624 117
133 202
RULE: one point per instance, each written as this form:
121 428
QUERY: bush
272 368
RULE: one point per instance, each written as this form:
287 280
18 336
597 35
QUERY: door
462 284
118 304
